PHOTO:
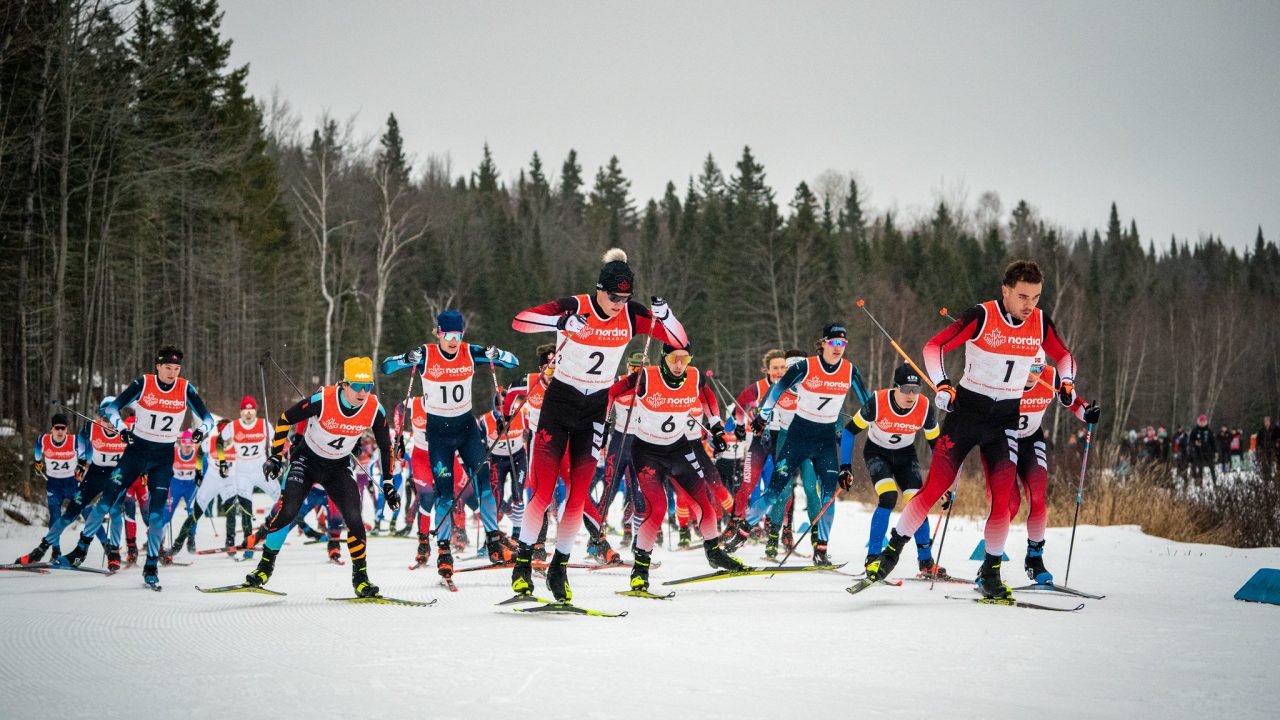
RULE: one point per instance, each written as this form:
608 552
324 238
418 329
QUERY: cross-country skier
1001 339
820 383
1033 459
336 418
595 331
59 458
773 365
664 396
160 402
447 368
188 472
892 419
248 436
504 435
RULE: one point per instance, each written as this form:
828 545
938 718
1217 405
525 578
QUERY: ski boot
495 544
540 552
717 557
741 534
423 558
459 538
166 557
312 533
522 573
230 548
1034 564
376 529
130 554
870 559
820 556
444 559
558 577
404 531
360 580
335 552
640 571
605 554
685 538
55 554
262 573
34 556
788 539
771 546
151 572
76 556
989 579
880 568
191 542
932 570
113 557
628 537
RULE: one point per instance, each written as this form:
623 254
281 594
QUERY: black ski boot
444 559
266 566
640 571
931 569
495 544
34 556
130 553
113 557
55 554
603 552
151 571
718 558
334 549
870 559
424 551
312 533
741 534
989 579
880 568
1034 564
75 557
558 577
360 580
788 539
685 538
522 573
771 546
820 556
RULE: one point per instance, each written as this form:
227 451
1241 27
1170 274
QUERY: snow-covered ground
1167 642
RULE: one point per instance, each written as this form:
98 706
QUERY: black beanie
616 275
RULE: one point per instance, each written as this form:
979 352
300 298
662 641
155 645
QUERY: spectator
1203 450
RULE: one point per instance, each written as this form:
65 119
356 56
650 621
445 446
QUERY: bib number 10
457 392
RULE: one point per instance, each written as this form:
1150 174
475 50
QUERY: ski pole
941 542
923 376
97 421
626 442
834 496
285 374
1084 463
266 408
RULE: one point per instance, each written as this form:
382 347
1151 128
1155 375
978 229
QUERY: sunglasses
909 389
837 342
59 427
1037 369
451 336
618 298
361 387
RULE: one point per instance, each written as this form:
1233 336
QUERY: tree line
146 198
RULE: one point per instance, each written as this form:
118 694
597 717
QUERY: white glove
573 323
414 356
492 353
945 397
661 311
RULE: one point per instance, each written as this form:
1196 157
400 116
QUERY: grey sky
1171 109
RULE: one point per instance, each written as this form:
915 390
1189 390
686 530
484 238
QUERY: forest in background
146 198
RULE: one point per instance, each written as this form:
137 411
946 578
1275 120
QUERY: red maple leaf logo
435 371
543 437
945 444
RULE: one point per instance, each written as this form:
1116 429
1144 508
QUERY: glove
224 468
38 466
758 424
659 308
948 497
945 400
742 433
126 435
80 468
196 436
400 445
393 497
199 477
271 468
845 478
414 356
572 323
492 353
1092 413
717 439
1067 392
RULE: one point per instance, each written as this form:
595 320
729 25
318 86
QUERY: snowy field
1167 642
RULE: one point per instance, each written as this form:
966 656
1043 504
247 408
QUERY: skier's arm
625 386
747 399
1057 350
304 409
111 410
198 409
664 328
794 375
382 436
504 358
952 337
710 407
544 317
39 448
83 444
395 363
859 387
930 427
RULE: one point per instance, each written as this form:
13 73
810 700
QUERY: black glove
196 436
845 478
271 468
758 424
199 477
1092 413
717 439
948 497
80 469
224 468
126 435
400 445
392 496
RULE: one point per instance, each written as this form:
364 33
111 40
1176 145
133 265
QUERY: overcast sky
1171 109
